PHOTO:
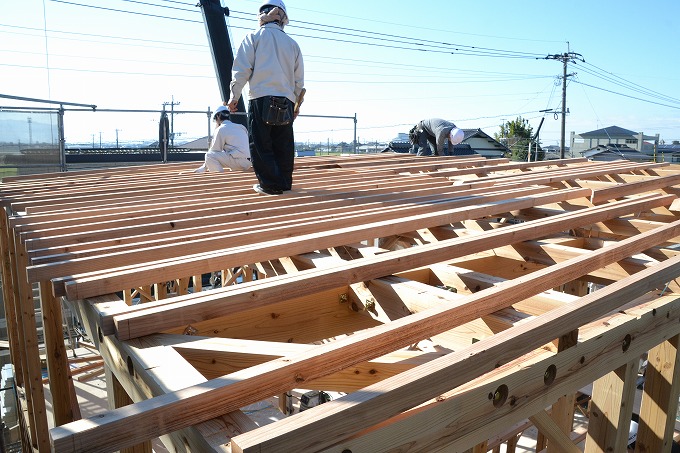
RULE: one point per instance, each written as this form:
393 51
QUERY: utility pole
564 58
172 119
117 130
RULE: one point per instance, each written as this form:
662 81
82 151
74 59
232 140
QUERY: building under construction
446 303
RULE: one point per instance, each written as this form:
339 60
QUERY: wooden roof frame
353 266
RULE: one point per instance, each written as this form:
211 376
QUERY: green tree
516 135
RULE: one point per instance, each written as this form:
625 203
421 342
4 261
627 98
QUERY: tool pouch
277 111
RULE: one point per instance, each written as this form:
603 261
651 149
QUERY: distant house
475 142
552 152
612 152
669 152
200 144
613 135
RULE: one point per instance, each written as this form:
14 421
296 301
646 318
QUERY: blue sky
389 63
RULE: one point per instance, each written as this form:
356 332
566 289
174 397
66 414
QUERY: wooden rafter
430 290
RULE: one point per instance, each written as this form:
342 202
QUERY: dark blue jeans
272 149
427 145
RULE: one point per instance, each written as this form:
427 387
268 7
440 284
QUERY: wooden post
33 376
161 290
10 301
563 410
127 296
659 398
480 448
57 358
197 281
117 397
611 409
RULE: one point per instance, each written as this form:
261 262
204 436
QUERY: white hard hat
277 3
456 136
221 108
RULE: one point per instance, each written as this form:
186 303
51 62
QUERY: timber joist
449 300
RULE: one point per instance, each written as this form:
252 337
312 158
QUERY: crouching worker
229 148
432 135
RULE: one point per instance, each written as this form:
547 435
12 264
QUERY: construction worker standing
430 136
270 62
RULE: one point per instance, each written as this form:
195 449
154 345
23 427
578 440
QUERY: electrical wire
633 87
406 43
454 48
363 37
628 96
627 83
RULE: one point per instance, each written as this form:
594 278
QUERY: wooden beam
660 397
152 318
339 230
554 433
147 375
33 376
391 396
118 398
460 418
471 281
9 300
64 410
190 264
633 188
611 409
277 376
217 357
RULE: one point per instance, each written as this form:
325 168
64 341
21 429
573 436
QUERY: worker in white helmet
229 147
270 62
433 135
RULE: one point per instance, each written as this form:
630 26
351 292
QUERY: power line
452 48
631 86
628 96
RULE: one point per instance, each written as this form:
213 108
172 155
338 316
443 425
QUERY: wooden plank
306 319
277 376
143 210
33 375
60 379
471 281
478 263
191 264
156 374
217 357
660 397
398 219
118 398
9 300
562 412
490 166
556 437
390 397
152 318
611 409
632 188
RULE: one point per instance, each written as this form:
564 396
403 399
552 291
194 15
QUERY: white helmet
220 109
456 136
274 3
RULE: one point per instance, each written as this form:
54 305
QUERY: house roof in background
614 132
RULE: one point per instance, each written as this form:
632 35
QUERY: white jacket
232 138
271 62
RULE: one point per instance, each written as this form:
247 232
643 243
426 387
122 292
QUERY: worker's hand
232 105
